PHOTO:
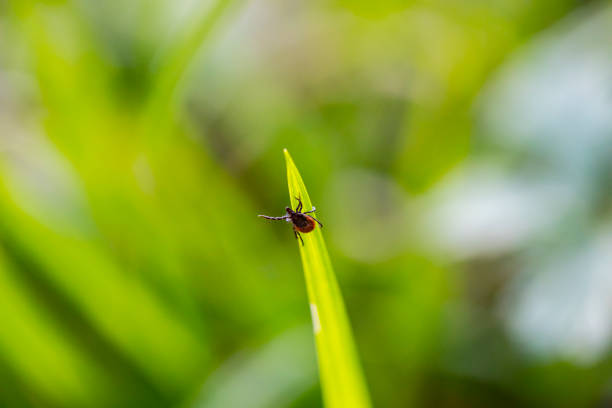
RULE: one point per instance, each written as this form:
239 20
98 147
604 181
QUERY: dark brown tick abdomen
303 223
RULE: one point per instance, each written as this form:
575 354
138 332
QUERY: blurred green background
459 153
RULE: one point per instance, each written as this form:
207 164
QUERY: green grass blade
342 380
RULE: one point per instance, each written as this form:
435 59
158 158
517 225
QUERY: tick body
302 222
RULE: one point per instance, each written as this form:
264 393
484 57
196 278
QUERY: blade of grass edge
342 380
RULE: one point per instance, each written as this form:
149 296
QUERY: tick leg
284 217
313 210
297 235
299 207
315 220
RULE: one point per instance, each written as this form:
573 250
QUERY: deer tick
301 222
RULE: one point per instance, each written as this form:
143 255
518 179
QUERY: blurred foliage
457 152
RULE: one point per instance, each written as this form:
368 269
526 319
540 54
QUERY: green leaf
342 380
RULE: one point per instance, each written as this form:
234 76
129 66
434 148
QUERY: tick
301 222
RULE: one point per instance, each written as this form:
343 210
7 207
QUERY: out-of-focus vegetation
457 152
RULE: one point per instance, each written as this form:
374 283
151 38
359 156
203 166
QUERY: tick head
289 210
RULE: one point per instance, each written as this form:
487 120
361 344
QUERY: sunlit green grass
137 140
342 380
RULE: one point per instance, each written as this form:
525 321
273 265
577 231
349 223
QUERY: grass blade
342 380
